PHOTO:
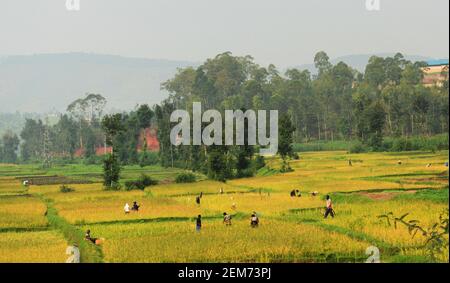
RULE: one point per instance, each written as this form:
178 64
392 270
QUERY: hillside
58 79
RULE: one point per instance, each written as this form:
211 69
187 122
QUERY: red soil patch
385 195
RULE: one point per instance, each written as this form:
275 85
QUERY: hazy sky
283 32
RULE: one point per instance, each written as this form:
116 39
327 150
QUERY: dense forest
337 103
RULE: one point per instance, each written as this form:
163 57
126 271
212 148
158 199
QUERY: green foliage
147 158
185 178
140 184
436 236
324 145
358 148
434 195
134 185
8 148
147 180
434 143
259 162
66 189
219 165
285 137
111 171
89 253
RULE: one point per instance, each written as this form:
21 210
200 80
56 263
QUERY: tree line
388 99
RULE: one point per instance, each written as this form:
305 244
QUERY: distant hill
359 62
49 82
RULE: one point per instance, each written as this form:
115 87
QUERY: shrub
140 184
147 158
358 148
66 189
134 185
147 180
259 162
185 178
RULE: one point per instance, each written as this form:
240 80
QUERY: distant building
435 73
148 138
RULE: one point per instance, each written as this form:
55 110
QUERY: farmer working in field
226 219
126 208
254 220
135 206
329 208
198 223
88 237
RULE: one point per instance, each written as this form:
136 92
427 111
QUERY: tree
144 116
65 136
112 125
285 139
322 63
32 135
8 152
87 111
371 131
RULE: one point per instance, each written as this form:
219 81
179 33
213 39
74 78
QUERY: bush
185 178
259 162
66 189
323 145
147 180
358 148
92 160
147 158
434 143
140 184
134 185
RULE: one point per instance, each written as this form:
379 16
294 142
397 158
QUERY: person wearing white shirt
127 208
329 209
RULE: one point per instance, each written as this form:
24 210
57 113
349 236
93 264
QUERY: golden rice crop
35 247
273 241
22 212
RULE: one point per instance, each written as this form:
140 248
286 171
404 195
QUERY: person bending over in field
88 237
198 223
293 193
350 162
254 220
226 219
197 200
135 206
126 208
329 209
